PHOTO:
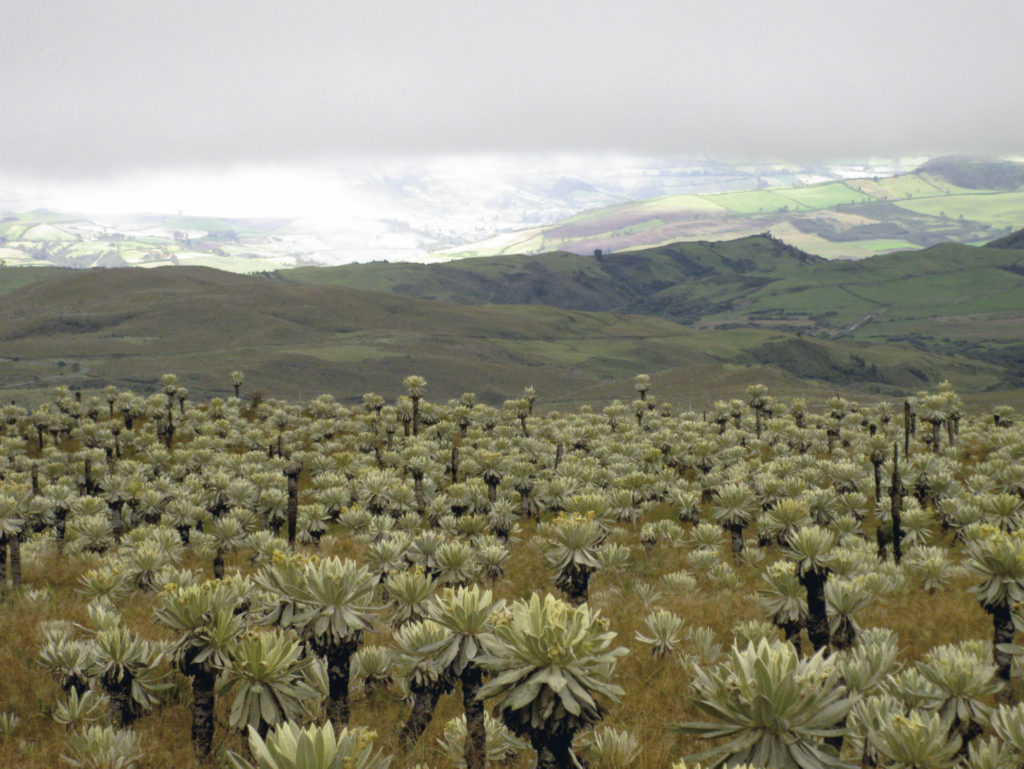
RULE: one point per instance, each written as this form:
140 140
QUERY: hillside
1013 240
949 298
757 281
12 279
130 326
947 199
617 283
977 173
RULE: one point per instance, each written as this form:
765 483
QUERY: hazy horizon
408 207
318 190
460 119
96 92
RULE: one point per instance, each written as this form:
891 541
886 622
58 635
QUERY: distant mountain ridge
964 200
977 173
364 209
834 211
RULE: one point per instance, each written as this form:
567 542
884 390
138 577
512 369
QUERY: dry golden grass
656 688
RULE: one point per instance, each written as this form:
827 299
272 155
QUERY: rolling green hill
619 282
958 199
128 327
12 279
1013 240
756 281
950 298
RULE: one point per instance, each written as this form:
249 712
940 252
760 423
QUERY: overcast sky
94 89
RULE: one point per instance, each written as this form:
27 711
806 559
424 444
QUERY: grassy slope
1013 240
912 286
749 280
12 279
998 209
130 326
950 298
570 280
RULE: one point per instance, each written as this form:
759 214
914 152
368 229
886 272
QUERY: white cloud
93 87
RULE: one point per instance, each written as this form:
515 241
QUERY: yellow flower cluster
366 738
573 519
781 567
502 615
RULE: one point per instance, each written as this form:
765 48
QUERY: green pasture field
633 229
862 249
20 259
46 232
719 216
836 249
13 230
1000 209
681 203
716 235
824 195
536 243
756 201
597 213
916 185
652 207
